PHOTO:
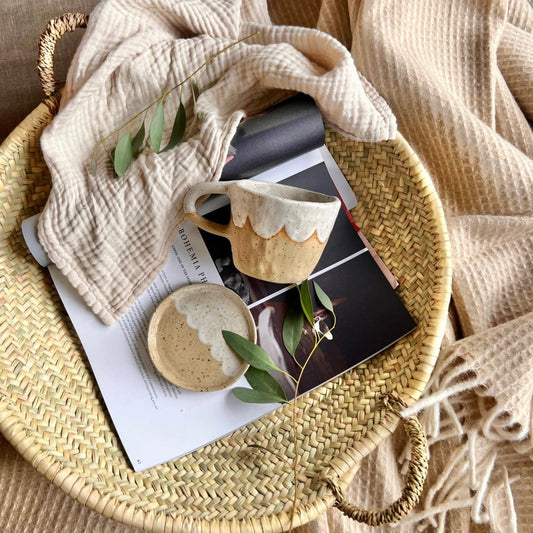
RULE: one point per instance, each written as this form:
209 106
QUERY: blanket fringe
456 410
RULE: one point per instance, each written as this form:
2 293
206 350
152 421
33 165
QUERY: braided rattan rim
340 467
416 476
55 29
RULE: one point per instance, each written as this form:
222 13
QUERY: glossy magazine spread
157 421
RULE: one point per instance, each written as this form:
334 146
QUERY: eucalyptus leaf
260 380
253 354
94 165
255 396
195 90
178 129
138 140
156 126
123 155
195 94
305 301
323 298
292 328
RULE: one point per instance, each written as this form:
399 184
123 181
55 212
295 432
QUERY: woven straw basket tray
52 413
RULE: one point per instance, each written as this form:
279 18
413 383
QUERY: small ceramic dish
185 337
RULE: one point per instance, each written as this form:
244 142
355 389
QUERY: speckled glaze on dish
185 337
277 232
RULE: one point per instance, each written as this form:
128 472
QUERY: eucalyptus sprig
128 146
264 387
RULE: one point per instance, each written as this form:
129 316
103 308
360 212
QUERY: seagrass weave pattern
51 411
47 45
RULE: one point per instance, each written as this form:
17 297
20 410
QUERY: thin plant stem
296 361
318 340
168 91
287 374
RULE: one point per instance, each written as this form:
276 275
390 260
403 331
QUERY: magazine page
156 421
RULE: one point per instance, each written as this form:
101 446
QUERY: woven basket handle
416 476
47 44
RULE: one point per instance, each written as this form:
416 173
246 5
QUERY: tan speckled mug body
277 232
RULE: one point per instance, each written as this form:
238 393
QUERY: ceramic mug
277 232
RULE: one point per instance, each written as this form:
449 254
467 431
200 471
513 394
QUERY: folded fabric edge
110 313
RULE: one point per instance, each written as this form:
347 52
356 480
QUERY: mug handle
189 205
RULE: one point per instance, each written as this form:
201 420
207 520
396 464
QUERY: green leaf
156 126
195 94
260 380
123 155
253 354
178 129
255 396
323 298
195 90
293 328
94 165
305 301
138 140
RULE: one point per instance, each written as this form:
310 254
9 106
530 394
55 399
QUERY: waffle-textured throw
111 237
459 78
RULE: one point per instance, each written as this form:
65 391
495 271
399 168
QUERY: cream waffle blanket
111 237
459 78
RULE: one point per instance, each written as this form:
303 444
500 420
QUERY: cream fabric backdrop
458 76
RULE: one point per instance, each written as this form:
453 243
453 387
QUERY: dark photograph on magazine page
370 316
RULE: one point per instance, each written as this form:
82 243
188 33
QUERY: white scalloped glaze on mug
272 207
277 232
185 337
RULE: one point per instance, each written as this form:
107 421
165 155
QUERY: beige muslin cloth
110 237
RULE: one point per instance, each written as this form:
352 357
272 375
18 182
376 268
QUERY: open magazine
157 421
